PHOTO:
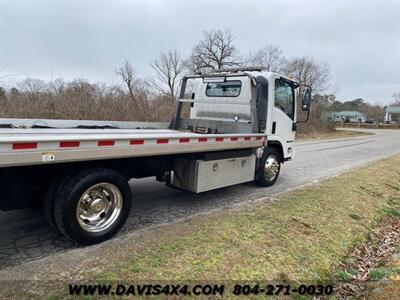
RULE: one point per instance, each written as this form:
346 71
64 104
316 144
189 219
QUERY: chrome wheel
99 207
271 167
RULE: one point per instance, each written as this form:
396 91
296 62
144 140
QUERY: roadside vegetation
385 279
328 134
373 268
308 236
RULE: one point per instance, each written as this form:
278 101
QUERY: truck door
284 115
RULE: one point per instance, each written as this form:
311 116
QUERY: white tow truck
238 126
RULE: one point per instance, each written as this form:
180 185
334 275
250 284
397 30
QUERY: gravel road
25 235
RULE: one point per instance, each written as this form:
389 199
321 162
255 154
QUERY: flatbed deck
21 147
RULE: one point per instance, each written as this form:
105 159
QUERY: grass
302 237
335 134
383 272
346 275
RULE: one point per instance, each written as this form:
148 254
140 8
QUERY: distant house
346 116
392 114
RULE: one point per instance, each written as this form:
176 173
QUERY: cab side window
284 97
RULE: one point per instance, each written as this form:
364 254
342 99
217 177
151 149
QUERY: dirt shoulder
303 237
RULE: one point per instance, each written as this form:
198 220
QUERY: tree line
136 98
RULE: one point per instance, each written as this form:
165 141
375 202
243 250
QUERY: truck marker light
21 146
162 141
69 144
219 139
259 138
105 143
234 138
247 138
136 142
184 140
203 139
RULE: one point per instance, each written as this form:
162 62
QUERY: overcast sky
68 39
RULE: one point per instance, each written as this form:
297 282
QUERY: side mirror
305 104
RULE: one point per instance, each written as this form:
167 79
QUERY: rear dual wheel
89 207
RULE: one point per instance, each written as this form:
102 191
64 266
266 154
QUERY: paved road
25 235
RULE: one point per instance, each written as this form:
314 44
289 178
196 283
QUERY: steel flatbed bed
19 147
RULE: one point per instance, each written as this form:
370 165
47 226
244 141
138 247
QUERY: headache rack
222 74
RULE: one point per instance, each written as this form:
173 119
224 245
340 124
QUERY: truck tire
269 169
49 200
92 206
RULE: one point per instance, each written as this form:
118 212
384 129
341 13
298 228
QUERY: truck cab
246 101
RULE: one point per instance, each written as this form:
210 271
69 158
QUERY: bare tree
34 86
2 93
168 68
269 57
2 76
57 86
306 70
396 99
127 74
215 51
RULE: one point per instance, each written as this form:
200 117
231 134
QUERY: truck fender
273 144
278 147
